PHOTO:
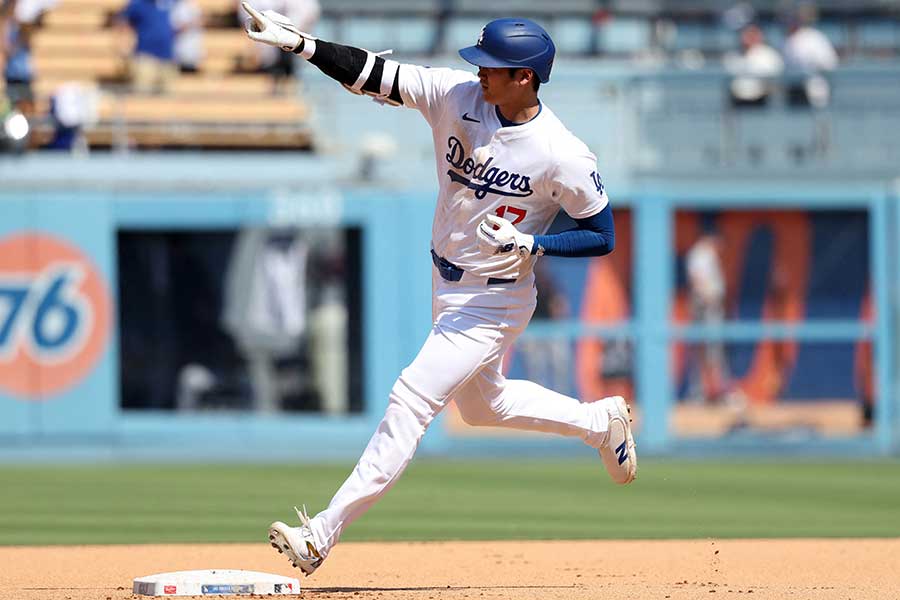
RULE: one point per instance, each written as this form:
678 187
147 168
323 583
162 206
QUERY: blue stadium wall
67 408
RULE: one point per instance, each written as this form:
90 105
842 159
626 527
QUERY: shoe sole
278 541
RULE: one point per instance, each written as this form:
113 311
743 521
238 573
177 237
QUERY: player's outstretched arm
358 70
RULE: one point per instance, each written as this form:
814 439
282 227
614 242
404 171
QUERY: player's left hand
497 235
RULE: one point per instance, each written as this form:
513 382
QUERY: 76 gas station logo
44 315
54 316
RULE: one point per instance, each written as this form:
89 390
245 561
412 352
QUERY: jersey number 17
512 210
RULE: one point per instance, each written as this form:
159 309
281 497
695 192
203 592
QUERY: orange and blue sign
55 315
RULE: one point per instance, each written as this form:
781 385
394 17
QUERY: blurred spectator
32 11
72 106
17 23
303 13
152 67
739 16
260 58
329 322
753 69
187 21
265 307
441 23
809 52
709 373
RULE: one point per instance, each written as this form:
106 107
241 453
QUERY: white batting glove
497 235
274 29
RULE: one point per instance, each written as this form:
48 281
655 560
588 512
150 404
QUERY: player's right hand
272 28
497 235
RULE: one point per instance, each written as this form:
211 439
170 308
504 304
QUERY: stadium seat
225 42
402 34
75 67
57 42
572 35
538 9
106 6
213 107
837 33
328 28
72 18
210 136
774 34
623 35
879 36
228 85
381 8
462 32
191 109
217 7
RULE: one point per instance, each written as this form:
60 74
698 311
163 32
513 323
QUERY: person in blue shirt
18 71
152 66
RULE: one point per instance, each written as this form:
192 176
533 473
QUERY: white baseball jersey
523 173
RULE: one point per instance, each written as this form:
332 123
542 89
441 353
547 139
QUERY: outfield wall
60 340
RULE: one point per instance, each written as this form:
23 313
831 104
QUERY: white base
215 582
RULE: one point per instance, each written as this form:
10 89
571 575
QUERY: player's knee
412 397
481 411
478 418
500 405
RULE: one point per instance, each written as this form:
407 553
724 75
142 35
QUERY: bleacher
221 108
213 108
606 28
686 126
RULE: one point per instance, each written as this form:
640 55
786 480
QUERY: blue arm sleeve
594 236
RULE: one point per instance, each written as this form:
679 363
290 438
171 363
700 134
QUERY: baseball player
505 167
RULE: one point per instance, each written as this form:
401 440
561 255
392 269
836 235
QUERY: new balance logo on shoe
621 452
313 552
617 451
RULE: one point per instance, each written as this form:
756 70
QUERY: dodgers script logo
488 176
54 315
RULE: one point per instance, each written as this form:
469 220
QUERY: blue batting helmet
514 43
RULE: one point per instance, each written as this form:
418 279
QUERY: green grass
454 500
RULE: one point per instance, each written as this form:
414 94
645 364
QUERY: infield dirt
838 569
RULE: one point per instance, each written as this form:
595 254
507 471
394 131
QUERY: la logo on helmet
54 316
481 37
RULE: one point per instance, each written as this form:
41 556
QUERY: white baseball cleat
296 543
618 453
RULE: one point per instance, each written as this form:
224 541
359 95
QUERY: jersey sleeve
426 89
577 186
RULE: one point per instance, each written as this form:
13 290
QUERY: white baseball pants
474 325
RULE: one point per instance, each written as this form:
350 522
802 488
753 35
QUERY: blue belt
450 272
